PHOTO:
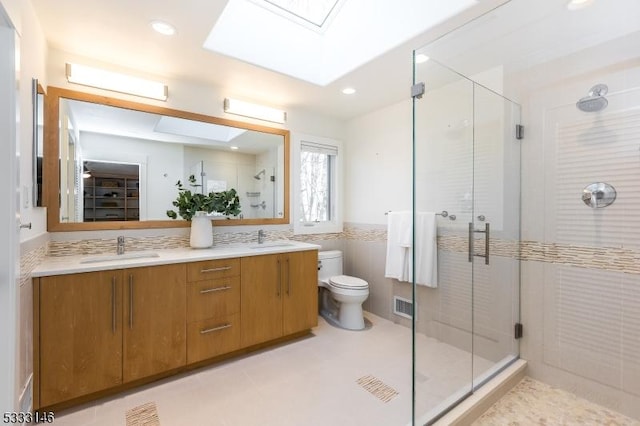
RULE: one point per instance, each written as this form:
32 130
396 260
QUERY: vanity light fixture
348 91
261 112
233 148
108 80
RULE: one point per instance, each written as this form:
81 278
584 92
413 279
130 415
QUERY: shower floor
334 376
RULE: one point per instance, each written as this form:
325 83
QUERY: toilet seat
347 282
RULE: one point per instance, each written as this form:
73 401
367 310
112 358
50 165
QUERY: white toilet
342 296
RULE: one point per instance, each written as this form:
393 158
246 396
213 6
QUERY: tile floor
312 381
531 402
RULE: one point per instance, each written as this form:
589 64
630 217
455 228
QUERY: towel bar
444 213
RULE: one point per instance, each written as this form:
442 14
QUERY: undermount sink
271 245
125 256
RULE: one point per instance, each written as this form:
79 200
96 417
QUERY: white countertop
89 263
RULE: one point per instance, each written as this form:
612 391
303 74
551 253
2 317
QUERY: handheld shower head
261 172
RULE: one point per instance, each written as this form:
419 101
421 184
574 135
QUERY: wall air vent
402 307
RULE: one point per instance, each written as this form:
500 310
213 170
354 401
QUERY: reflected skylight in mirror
197 129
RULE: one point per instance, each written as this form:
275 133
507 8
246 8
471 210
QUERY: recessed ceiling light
234 148
421 58
348 91
578 4
163 27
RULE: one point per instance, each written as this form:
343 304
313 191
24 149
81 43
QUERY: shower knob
598 195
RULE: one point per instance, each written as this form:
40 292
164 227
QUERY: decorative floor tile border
143 415
377 388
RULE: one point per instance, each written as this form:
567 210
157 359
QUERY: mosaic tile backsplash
606 258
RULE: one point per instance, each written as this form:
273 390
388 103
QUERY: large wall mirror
114 164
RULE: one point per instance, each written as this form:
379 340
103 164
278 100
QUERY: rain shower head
595 101
261 172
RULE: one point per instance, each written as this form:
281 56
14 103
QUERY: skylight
314 12
270 33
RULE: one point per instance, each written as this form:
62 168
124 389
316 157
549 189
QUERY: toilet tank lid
329 254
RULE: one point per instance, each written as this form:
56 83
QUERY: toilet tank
329 264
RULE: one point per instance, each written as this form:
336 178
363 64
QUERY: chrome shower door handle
487 242
471 233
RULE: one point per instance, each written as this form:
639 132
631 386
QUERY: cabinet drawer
213 298
212 337
212 269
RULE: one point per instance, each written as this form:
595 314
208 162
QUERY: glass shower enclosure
466 170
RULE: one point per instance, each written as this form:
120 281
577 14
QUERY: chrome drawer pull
209 330
211 290
223 268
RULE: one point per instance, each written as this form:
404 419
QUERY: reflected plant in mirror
225 203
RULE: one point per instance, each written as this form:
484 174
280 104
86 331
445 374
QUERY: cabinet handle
130 300
209 330
211 290
288 279
222 268
279 279
113 305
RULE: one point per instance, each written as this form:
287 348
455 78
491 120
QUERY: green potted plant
197 207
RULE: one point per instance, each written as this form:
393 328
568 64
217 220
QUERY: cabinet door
154 320
300 284
80 335
260 299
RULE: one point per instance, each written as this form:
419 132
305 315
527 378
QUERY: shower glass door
466 170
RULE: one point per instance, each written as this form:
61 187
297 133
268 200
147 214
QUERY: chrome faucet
261 236
120 247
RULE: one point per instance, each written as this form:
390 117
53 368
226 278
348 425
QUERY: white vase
201 231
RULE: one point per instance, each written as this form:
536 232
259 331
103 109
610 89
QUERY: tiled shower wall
581 284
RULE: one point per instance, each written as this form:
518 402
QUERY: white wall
33 53
378 164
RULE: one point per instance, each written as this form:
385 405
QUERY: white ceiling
522 35
350 40
118 32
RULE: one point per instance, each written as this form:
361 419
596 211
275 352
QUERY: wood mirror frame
51 166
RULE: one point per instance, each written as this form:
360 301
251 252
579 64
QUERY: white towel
426 249
399 245
399 264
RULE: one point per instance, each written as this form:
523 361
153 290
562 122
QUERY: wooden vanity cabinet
300 301
213 308
154 317
80 329
279 295
97 330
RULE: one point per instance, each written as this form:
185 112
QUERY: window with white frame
317 207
